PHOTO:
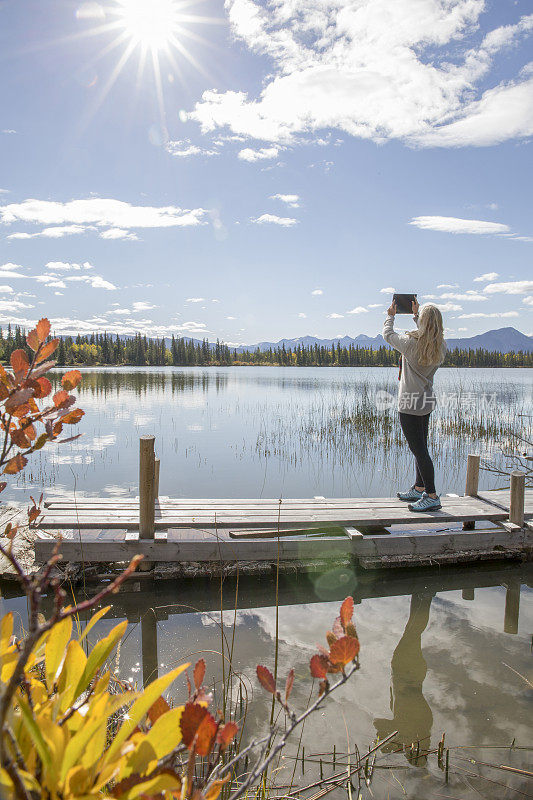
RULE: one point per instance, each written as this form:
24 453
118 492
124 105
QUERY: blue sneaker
426 503
411 494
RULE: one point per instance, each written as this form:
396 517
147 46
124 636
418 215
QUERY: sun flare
153 24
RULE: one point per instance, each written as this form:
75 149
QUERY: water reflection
412 717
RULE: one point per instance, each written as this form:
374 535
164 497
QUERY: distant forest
101 349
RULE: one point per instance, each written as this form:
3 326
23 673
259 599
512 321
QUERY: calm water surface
264 432
440 649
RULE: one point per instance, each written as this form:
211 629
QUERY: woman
422 352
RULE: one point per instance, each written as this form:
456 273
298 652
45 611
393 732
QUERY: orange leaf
20 438
226 734
15 464
19 362
288 685
199 673
61 398
71 379
206 735
346 612
157 710
73 417
190 720
213 791
330 636
351 630
266 679
32 340
45 387
343 651
318 666
42 329
47 350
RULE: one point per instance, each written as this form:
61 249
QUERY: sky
259 170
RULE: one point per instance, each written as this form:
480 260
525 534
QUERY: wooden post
472 482
146 487
512 607
156 478
516 499
468 594
149 646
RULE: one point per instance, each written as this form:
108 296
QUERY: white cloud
195 300
6 290
456 225
510 287
67 266
119 233
447 286
335 316
262 154
469 295
55 232
120 311
142 306
317 292
292 200
95 281
408 69
302 315
184 148
448 307
97 213
387 290
231 317
375 305
487 276
359 310
528 300
273 219
495 315
4 191
13 305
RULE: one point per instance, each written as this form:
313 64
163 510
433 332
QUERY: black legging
415 430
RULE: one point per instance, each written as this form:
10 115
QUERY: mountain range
502 340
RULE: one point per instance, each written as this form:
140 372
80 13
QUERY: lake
273 431
442 651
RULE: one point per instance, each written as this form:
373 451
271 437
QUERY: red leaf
42 329
3 485
15 464
32 340
71 379
45 386
20 438
61 398
190 720
157 710
343 651
226 734
266 679
346 612
198 727
318 666
288 685
206 735
199 673
19 362
73 417
47 350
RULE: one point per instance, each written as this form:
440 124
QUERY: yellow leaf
154 786
9 662
55 649
55 737
165 733
75 662
78 781
35 732
98 655
141 706
6 631
92 622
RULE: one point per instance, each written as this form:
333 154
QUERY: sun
152 24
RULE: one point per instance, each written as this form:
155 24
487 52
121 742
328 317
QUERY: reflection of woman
422 351
412 715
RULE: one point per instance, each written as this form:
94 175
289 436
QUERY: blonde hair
430 335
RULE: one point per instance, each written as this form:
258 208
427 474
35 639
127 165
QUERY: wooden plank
500 498
424 544
273 533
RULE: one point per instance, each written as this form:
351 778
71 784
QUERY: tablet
404 303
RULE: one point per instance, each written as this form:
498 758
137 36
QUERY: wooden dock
374 532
